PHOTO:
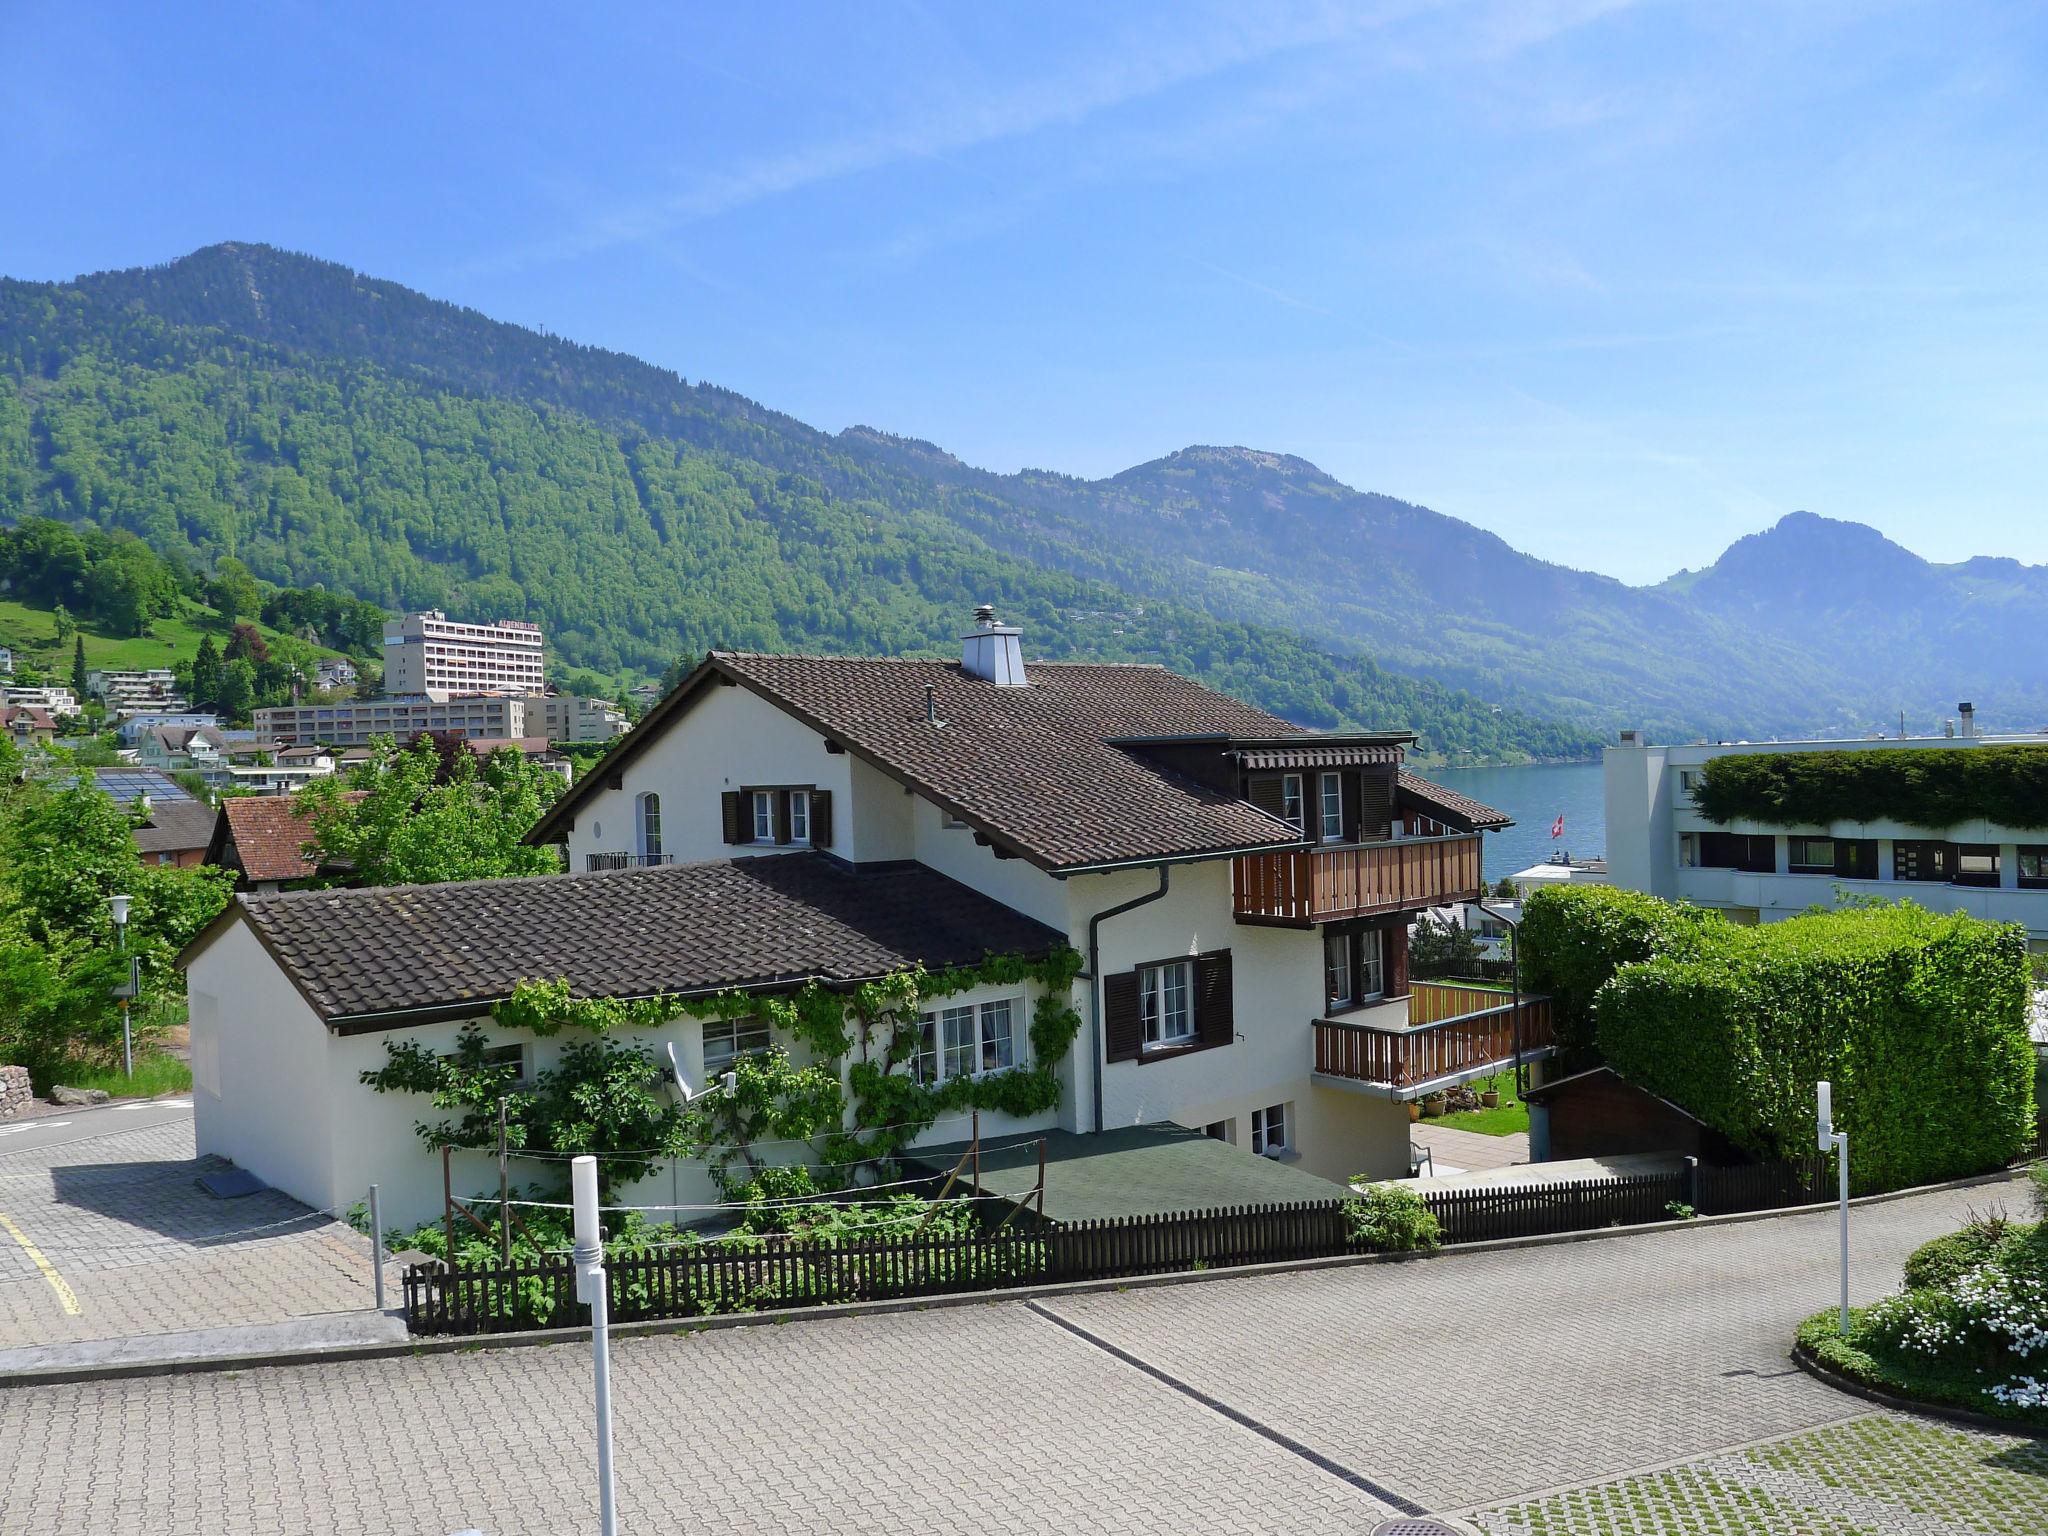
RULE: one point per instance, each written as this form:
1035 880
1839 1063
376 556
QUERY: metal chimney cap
984 613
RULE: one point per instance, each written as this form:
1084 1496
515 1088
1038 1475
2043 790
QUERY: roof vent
993 652
1967 714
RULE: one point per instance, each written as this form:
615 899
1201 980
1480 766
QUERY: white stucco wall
259 1041
729 739
1017 883
1277 980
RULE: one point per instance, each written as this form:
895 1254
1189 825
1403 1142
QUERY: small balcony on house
1300 887
595 862
1440 1035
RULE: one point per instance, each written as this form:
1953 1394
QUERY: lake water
1535 794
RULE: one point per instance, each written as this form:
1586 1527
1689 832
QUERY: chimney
993 652
1967 714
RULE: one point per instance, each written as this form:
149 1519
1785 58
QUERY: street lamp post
126 991
590 1287
1830 1138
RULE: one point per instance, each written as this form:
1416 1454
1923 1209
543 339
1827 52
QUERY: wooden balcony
1300 887
1445 1034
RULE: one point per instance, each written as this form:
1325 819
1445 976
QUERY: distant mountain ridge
328 426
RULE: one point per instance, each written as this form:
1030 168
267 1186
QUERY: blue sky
1620 282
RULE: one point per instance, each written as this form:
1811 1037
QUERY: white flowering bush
1986 1326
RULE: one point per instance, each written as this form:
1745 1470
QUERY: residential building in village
359 724
432 654
1757 871
1239 890
573 717
27 726
59 702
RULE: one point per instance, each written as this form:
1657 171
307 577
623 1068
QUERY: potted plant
1433 1106
1414 1111
1489 1093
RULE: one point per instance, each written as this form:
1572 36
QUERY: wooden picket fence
699 1279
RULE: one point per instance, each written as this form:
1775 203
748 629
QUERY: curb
1828 1376
533 1338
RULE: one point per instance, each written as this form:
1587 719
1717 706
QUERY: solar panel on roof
128 786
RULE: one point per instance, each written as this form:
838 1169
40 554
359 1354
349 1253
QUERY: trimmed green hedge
1574 937
1931 787
1919 1020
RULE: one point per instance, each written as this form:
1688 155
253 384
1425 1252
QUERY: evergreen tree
78 667
206 674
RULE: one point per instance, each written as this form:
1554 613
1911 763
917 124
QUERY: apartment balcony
1440 1035
594 862
1300 887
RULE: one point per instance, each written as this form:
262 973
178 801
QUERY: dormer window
787 816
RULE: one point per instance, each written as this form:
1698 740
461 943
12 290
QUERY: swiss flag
1557 827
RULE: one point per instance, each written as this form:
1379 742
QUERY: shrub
1943 1261
1919 1020
1389 1219
1932 787
1575 937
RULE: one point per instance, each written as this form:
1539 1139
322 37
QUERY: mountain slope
328 428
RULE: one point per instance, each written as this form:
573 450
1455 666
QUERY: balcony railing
593 862
1452 1032
1303 886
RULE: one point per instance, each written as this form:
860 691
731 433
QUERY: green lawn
32 634
1510 1118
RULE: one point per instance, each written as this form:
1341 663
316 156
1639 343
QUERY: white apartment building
570 717
358 724
116 686
59 702
432 654
1658 841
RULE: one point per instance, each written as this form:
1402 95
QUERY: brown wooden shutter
1265 792
821 818
1123 1025
738 825
1215 1009
781 801
1375 805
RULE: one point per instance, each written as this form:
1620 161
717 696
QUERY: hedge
1919 1020
1574 937
1931 787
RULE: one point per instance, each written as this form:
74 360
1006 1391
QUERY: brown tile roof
1449 805
775 920
263 837
1035 769
183 825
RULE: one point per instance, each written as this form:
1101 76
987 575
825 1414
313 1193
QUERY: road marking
35 1254
33 1125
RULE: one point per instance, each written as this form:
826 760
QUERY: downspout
1095 977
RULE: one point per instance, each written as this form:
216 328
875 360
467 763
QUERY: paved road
1296 1403
104 1233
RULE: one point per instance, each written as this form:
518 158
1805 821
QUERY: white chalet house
1238 889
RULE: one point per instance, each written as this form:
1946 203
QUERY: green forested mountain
324 428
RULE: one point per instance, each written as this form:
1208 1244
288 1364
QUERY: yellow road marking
35 1254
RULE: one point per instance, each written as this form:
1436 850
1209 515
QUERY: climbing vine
604 1098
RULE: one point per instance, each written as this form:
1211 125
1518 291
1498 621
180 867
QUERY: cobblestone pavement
136 1247
1599 1359
1475 1377
1883 1474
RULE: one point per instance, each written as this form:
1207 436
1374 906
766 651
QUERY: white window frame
1330 807
1166 1004
959 1041
1372 964
968 1040
1269 1130
799 815
727 1040
1293 805
761 810
650 825
1334 996
998 1034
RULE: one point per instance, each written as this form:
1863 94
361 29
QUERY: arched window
650 826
